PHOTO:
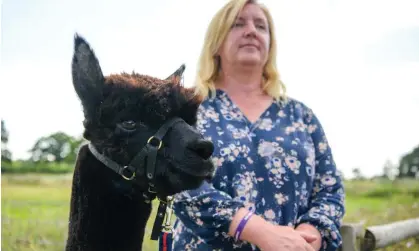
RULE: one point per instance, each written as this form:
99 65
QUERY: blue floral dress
281 167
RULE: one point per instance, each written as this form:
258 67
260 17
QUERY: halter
147 154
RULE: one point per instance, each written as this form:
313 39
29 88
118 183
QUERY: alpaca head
123 111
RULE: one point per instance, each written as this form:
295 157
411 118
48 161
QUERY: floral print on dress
281 167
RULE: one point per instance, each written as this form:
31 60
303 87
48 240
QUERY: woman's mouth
249 46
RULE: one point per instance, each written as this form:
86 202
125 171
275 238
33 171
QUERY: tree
409 164
6 155
57 147
357 174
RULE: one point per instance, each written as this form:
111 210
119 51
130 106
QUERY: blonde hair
209 65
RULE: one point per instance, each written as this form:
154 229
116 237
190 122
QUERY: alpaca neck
104 216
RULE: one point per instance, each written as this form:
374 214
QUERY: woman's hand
269 237
310 230
286 238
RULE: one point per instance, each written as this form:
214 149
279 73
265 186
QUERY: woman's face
248 40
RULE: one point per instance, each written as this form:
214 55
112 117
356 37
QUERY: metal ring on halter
153 137
125 177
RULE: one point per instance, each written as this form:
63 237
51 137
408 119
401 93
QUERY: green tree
6 155
409 164
57 147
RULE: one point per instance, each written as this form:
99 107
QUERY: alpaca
142 145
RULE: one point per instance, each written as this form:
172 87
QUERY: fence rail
356 237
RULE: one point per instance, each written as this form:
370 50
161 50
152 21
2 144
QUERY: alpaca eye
129 125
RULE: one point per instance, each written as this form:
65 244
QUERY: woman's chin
250 59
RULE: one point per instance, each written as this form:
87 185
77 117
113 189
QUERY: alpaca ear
87 75
176 76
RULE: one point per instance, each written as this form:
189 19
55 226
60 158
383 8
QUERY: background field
34 209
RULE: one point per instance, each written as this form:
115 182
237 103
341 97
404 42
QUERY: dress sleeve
326 207
207 212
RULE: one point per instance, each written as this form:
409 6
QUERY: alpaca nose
203 148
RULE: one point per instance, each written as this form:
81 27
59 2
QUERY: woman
276 186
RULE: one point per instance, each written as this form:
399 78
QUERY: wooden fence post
388 234
350 232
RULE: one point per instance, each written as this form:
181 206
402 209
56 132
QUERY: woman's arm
326 208
214 215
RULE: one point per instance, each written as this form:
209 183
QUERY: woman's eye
238 24
129 125
262 27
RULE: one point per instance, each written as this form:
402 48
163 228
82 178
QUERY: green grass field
34 209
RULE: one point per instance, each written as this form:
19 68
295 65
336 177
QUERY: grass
35 209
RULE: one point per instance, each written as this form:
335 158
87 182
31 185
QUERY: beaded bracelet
241 225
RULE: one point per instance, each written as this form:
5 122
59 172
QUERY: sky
354 62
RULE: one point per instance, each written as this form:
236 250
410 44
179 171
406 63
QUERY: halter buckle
160 141
125 177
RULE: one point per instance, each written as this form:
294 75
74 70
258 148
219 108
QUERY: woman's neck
241 82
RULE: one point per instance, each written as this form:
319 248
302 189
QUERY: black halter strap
147 156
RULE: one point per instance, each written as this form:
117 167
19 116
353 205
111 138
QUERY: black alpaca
125 164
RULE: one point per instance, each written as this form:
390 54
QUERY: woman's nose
250 29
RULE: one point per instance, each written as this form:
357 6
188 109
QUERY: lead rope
166 235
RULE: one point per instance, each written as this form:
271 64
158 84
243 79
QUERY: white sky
355 62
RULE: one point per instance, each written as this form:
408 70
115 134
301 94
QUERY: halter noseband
147 154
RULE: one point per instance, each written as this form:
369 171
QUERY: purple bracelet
241 225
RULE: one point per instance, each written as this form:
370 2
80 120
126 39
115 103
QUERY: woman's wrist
250 230
242 224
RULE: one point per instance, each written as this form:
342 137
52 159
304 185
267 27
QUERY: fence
356 238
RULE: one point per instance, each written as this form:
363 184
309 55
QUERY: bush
385 192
